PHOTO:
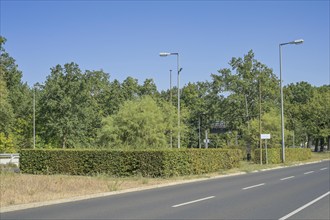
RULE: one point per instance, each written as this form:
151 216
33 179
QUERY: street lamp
300 41
179 70
34 117
171 139
35 86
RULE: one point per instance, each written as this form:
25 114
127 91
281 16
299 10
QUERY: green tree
130 88
139 123
270 124
149 88
18 96
297 100
196 101
319 117
6 110
241 90
115 98
68 107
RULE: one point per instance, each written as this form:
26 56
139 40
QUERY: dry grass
23 188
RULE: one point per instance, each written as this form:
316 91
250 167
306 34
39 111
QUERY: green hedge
154 163
291 155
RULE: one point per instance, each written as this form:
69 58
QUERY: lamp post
179 70
300 41
171 139
34 117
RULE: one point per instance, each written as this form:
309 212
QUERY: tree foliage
139 123
76 109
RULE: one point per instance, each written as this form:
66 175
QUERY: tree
241 90
69 108
195 100
115 98
6 110
271 124
139 123
130 88
18 98
149 88
297 99
308 113
319 117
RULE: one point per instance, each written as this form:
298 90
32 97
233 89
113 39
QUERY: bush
153 163
291 155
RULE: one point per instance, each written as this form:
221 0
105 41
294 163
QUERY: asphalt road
300 192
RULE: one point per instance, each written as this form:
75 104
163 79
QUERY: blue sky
124 38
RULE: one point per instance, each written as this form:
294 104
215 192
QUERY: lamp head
164 54
299 41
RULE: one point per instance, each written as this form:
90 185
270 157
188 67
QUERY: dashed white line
304 206
194 201
286 178
324 168
309 172
250 187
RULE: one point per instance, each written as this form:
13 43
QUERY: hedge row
153 163
291 154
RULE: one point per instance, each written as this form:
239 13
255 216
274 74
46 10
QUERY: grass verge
16 188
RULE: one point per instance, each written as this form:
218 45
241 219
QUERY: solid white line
198 200
286 178
309 172
249 187
324 168
304 206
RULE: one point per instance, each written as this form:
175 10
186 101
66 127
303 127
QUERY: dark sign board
218 127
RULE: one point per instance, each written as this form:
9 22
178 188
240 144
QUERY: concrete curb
79 198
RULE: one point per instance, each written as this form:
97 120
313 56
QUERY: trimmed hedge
153 163
291 155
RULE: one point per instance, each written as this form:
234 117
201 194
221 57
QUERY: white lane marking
198 200
304 206
309 172
324 168
286 178
249 187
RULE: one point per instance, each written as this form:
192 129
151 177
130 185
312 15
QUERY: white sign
265 136
208 141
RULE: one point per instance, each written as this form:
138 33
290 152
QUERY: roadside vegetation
19 188
77 108
86 109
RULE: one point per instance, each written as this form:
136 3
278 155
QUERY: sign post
265 137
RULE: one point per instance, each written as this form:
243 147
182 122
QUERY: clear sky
124 38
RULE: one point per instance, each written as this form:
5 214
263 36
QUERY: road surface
300 192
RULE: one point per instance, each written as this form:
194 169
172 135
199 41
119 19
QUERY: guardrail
9 158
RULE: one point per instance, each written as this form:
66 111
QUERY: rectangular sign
265 136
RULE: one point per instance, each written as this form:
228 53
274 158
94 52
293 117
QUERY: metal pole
266 151
171 86
206 140
293 144
282 110
178 68
171 138
248 123
199 132
260 144
34 117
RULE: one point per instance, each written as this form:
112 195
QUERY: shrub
153 163
291 155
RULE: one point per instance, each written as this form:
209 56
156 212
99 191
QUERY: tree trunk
316 149
328 143
64 142
309 141
322 144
